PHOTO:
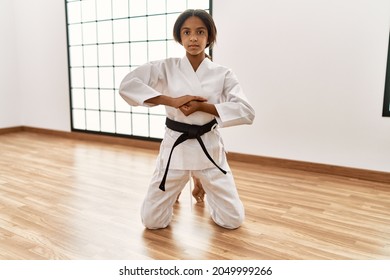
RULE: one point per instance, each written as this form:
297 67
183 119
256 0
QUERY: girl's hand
185 99
174 102
190 107
194 106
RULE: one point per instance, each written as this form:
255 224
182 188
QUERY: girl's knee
155 219
234 222
152 221
229 218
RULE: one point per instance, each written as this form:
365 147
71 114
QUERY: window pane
93 120
156 7
88 10
74 34
77 77
89 33
105 55
105 32
107 98
176 6
123 123
78 98
122 54
175 49
157 110
78 119
120 73
121 30
107 122
157 28
198 4
74 12
121 105
90 55
142 125
157 50
103 9
137 7
170 23
138 29
120 8
91 99
76 56
91 77
139 53
157 126
140 109
106 77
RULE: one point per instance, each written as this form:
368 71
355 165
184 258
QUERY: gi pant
222 198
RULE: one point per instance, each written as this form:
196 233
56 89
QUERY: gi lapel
191 76
194 80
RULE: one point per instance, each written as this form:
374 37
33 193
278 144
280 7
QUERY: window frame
386 99
114 113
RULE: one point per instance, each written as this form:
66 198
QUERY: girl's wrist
208 108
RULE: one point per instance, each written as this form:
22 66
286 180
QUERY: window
386 100
106 40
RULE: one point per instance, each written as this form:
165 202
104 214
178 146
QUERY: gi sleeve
141 84
234 108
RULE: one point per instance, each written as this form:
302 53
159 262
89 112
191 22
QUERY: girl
198 95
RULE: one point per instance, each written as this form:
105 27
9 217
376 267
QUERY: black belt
190 131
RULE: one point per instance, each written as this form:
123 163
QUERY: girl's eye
201 32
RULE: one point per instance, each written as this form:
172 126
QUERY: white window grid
106 40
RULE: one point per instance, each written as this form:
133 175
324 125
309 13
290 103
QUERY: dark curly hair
205 17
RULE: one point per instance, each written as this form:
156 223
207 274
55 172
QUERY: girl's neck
196 60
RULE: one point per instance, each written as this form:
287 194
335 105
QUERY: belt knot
193 131
189 131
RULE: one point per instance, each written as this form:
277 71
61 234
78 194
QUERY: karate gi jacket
175 77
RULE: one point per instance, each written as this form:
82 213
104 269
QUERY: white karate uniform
175 77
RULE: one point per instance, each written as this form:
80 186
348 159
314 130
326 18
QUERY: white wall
42 69
9 95
313 69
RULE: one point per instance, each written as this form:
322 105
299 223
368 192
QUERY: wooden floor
74 199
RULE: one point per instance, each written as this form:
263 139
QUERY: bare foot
198 191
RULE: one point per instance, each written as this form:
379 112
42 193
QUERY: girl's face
194 36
